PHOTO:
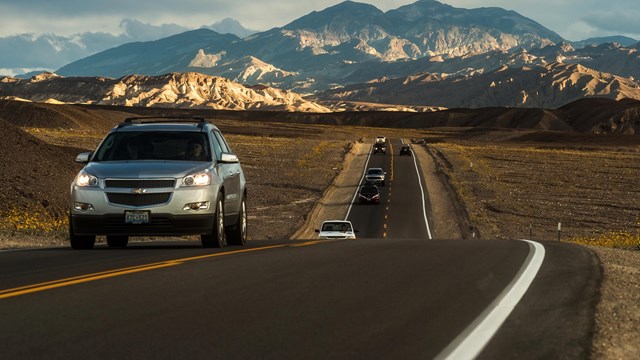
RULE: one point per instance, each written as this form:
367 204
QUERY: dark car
369 194
405 149
379 147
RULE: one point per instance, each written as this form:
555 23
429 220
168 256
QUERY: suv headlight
85 179
202 178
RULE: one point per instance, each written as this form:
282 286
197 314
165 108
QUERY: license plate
136 217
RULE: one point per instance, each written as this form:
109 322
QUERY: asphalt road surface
403 296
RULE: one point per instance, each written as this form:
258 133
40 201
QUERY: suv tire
237 235
217 237
80 242
117 241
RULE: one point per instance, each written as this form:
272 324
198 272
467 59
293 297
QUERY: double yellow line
384 234
28 289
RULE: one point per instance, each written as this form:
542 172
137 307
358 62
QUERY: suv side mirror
317 230
229 158
84 157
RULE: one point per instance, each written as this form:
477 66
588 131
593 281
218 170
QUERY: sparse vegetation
286 176
510 188
33 223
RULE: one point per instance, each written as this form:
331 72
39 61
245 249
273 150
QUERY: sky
572 19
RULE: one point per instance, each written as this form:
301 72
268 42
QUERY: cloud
139 31
618 22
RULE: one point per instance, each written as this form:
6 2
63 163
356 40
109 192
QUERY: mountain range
422 54
26 53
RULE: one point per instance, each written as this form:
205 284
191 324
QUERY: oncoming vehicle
375 176
159 177
405 149
381 139
337 229
369 194
379 147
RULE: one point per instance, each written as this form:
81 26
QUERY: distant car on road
369 194
337 229
405 149
381 139
379 147
376 176
159 177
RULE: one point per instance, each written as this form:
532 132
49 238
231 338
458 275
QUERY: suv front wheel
237 235
80 242
217 237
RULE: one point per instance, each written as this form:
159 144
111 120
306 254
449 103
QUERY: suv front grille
140 184
138 199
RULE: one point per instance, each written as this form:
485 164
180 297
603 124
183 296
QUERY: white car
337 229
381 139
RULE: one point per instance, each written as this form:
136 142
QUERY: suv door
230 174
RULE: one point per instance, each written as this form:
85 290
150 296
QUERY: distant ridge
181 90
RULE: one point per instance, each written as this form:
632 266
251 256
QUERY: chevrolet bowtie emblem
138 191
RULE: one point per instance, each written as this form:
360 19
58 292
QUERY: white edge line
424 203
358 186
477 335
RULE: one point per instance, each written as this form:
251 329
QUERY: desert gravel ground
618 313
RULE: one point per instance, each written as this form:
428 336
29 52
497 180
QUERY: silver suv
375 176
157 177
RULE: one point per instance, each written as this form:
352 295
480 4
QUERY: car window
369 190
337 226
222 142
154 145
217 147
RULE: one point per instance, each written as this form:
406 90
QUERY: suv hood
144 169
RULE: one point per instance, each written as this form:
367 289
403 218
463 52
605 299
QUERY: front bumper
159 225
376 181
167 216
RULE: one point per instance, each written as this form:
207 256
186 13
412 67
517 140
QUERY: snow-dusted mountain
318 45
363 54
182 90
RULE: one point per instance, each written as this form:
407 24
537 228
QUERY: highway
393 293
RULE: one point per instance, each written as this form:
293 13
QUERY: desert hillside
549 86
35 176
181 90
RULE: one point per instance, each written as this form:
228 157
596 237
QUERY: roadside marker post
559 229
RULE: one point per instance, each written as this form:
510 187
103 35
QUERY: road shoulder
336 199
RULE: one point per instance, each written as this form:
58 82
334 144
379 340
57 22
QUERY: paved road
400 214
394 298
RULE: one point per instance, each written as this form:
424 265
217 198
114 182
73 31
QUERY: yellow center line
307 243
27 289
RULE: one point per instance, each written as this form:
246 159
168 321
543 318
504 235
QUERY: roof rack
163 119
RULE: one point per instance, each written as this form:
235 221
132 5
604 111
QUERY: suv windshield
158 145
375 172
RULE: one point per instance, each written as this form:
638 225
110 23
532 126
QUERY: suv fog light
201 205
82 206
